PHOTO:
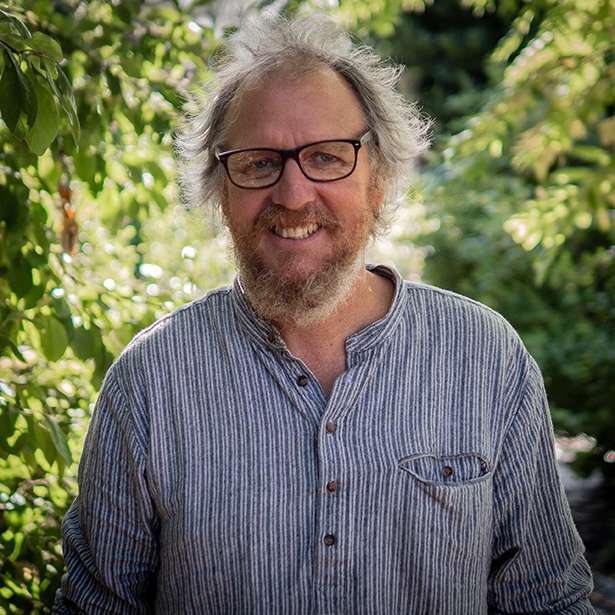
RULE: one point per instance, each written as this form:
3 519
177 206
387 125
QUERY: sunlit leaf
46 45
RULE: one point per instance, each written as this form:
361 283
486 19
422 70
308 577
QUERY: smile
297 232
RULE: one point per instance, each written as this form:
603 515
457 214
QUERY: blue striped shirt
217 478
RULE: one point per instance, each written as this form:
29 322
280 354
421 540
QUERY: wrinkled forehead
294 82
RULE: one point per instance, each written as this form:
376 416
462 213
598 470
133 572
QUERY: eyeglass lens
325 161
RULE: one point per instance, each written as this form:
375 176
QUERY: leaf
16 351
12 211
53 338
7 28
19 25
591 154
61 308
46 45
59 440
8 416
45 127
30 100
67 100
15 41
20 276
44 441
85 343
11 94
33 296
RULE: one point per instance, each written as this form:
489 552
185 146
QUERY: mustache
277 215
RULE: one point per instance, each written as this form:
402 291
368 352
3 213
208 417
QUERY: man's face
330 222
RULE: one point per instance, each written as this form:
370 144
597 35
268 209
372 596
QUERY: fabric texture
217 478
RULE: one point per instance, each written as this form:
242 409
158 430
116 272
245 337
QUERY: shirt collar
264 334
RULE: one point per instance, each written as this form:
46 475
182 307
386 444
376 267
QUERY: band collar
264 334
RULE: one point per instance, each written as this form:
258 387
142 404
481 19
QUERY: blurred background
514 206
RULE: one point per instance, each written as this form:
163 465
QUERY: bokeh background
514 206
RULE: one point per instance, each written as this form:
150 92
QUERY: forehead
286 110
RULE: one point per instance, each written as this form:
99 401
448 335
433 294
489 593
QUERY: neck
322 346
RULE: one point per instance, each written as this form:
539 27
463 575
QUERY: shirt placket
332 533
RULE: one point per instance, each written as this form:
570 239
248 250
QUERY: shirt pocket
450 497
447 471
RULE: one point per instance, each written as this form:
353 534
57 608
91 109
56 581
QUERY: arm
110 537
537 564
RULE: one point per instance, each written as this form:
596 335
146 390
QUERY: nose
293 190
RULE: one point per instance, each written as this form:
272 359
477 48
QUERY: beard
287 292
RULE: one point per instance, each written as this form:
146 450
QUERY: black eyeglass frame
285 154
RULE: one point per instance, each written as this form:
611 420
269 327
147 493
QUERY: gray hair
271 44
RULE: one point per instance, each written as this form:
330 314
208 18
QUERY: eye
254 163
261 164
323 159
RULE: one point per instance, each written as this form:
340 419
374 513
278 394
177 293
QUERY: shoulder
456 317
180 330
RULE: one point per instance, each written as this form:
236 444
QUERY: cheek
241 209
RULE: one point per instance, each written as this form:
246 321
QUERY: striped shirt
217 478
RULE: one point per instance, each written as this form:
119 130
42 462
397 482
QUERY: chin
294 269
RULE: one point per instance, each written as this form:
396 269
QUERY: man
323 437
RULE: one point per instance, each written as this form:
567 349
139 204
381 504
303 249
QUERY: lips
295 232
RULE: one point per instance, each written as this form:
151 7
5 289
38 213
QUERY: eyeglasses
322 161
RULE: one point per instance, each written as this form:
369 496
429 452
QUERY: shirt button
302 380
330 427
332 486
447 471
329 540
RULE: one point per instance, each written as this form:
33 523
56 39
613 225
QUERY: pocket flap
451 470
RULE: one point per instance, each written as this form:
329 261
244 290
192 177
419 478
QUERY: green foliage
525 201
92 248
443 48
89 93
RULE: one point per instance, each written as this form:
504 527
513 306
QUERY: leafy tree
525 202
89 93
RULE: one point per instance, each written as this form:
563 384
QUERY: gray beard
304 302
278 296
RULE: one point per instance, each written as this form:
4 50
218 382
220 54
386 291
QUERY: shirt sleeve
110 531
537 563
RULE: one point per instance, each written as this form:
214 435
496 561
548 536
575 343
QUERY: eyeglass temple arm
366 137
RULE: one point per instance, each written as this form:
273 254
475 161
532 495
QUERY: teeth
297 232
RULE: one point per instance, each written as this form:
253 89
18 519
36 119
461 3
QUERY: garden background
514 206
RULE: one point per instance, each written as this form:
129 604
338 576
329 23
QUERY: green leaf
12 211
19 25
7 28
53 338
15 41
8 416
67 100
591 154
33 296
85 164
85 343
20 276
45 127
61 308
46 46
30 100
59 440
11 94
44 441
16 351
